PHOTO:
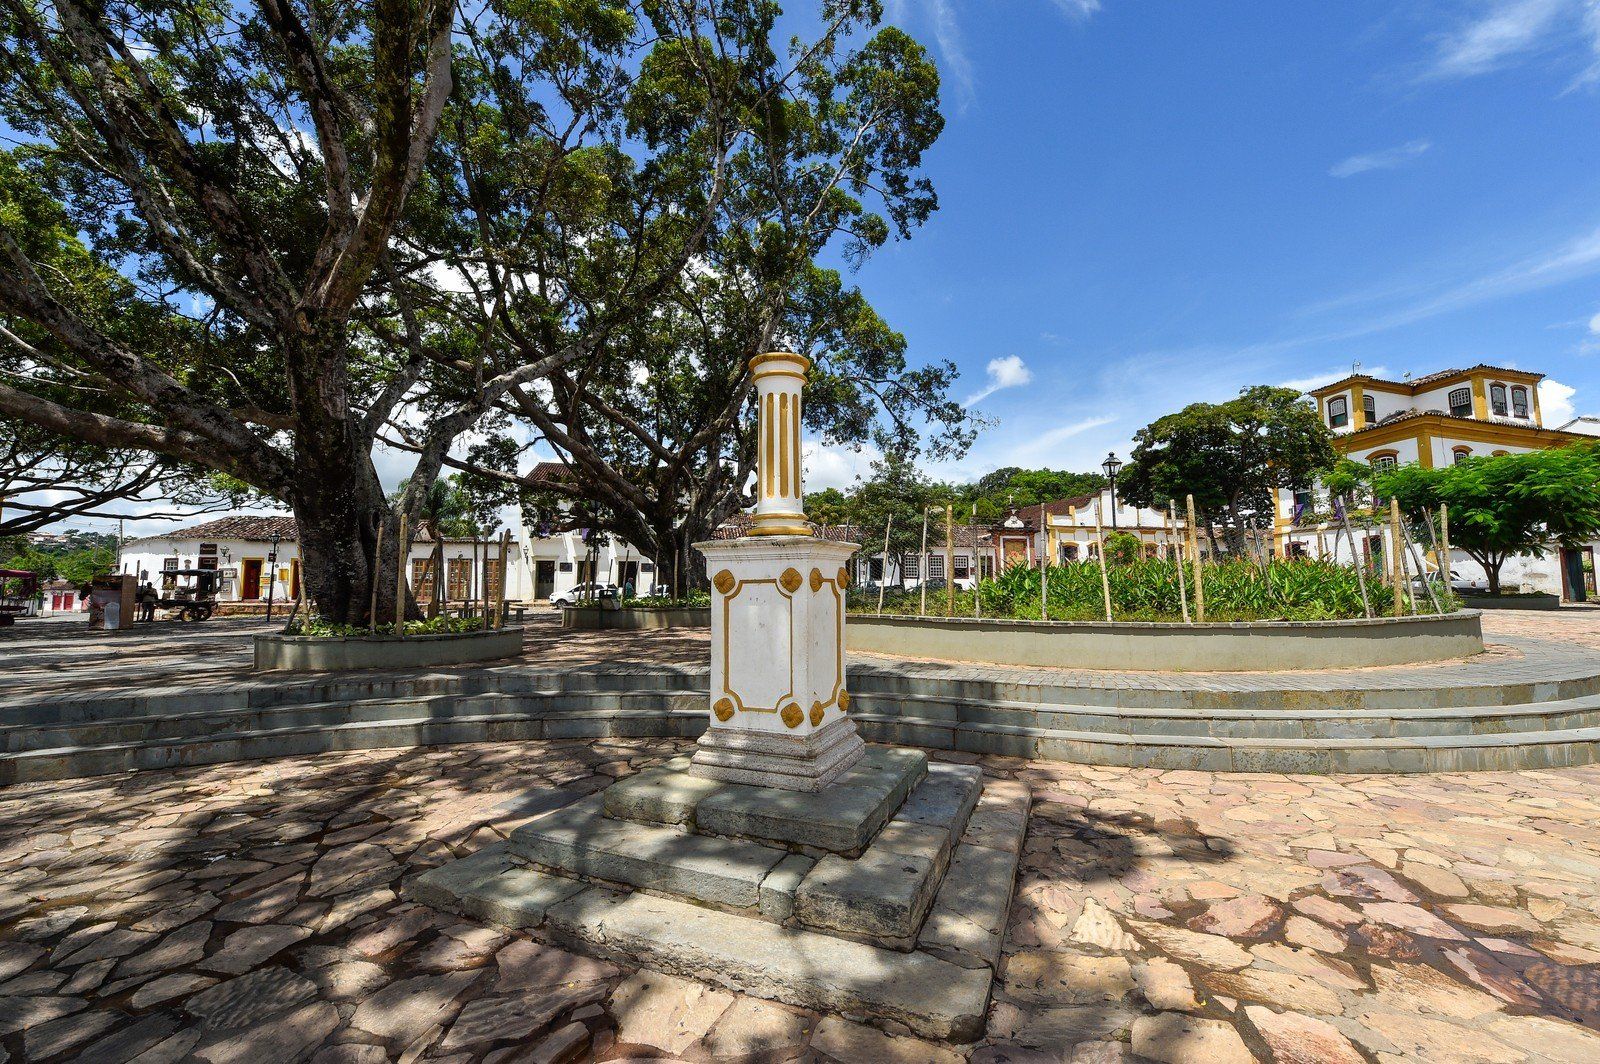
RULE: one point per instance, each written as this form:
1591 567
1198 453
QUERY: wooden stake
1444 542
1177 544
400 582
1422 571
1199 571
884 579
1396 562
1355 560
922 564
500 610
1105 582
377 568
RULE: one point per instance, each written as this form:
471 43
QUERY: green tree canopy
1230 456
1508 505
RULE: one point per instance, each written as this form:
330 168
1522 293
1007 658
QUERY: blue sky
1145 203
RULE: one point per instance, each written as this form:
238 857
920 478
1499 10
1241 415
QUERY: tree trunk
1491 569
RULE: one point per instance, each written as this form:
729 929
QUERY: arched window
1498 454
1459 453
1461 402
1519 401
1369 409
1338 412
1497 399
1383 463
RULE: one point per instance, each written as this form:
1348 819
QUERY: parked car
938 583
1459 582
584 593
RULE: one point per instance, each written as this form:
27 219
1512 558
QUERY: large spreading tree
308 227
638 234
1231 457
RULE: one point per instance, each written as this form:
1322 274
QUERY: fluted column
780 496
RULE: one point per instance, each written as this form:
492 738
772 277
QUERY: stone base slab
841 819
809 763
841 934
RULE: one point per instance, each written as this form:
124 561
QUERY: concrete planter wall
1512 602
676 617
298 653
1241 647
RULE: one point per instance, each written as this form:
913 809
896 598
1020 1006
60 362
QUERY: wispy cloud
1039 448
1078 8
1387 159
1317 380
1007 372
1502 32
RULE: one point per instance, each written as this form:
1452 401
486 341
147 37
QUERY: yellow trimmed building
1433 420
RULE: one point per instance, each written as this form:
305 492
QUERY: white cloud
1038 450
1594 324
1387 159
1504 31
835 467
1317 380
1555 403
1007 372
1078 8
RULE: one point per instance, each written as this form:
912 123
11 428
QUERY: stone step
74 762
200 723
1280 723
580 840
1504 684
1437 753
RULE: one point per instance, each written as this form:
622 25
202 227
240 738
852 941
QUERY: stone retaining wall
298 653
636 618
1253 646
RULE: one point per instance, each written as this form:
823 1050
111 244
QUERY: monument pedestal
784 858
778 696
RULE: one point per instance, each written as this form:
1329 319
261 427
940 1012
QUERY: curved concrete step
197 724
1243 724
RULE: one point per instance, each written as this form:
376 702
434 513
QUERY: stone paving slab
580 839
933 998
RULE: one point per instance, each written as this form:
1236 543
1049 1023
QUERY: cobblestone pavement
252 912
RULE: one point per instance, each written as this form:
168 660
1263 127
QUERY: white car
584 593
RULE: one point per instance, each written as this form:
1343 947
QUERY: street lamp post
1112 465
272 575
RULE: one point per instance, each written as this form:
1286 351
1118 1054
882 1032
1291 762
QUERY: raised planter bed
1536 601
1254 646
636 617
299 653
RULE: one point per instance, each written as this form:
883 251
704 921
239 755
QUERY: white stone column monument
779 700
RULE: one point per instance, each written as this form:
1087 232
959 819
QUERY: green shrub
317 628
1146 589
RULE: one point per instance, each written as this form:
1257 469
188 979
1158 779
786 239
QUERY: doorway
1577 574
544 579
250 579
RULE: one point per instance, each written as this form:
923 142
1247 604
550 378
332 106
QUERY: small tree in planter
1510 505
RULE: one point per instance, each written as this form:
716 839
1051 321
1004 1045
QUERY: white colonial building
1434 420
260 556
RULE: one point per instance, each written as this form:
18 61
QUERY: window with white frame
1338 412
1383 463
1461 402
963 566
936 567
1459 453
1519 401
